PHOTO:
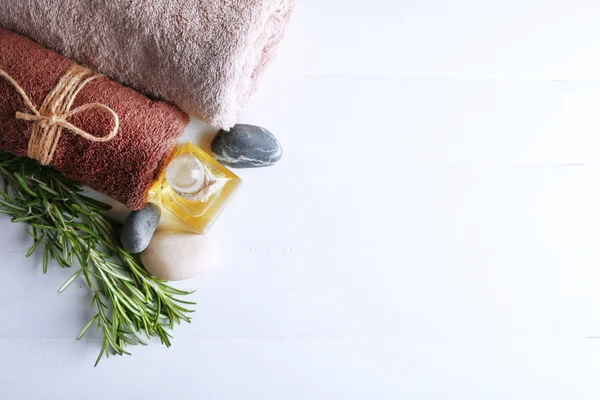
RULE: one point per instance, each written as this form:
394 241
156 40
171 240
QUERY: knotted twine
211 186
52 117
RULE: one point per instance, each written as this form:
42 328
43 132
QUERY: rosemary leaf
69 226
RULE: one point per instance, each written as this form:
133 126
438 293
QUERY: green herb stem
70 227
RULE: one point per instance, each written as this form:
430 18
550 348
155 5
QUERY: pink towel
204 55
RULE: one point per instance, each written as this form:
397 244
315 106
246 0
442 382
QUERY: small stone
139 228
246 146
174 256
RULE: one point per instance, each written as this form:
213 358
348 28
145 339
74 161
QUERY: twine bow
53 114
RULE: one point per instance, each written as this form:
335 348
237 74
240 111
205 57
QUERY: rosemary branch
69 226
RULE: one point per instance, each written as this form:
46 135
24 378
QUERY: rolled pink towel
204 55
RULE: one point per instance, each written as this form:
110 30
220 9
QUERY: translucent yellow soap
195 187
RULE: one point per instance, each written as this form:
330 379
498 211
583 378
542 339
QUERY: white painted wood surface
432 231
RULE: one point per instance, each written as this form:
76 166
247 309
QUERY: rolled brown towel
124 167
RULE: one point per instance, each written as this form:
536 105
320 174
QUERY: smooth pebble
139 227
246 146
174 256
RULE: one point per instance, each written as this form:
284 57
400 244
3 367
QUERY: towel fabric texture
206 56
124 168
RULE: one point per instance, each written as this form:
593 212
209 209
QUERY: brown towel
123 168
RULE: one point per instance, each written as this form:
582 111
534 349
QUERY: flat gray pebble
139 228
246 146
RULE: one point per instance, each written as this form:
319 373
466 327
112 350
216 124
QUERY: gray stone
246 146
139 228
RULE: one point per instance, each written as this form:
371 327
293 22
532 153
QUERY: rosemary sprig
130 304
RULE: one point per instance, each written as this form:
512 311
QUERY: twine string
210 187
52 116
